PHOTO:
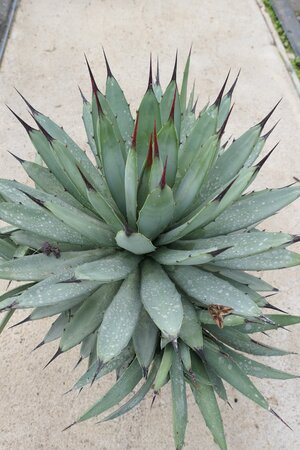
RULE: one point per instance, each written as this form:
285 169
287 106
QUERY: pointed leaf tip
230 92
27 127
174 74
69 426
263 122
109 72
82 96
264 159
162 182
133 140
20 160
278 417
157 79
222 128
93 82
265 136
59 352
32 109
150 80
217 102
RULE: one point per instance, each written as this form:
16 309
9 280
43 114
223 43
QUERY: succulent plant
143 255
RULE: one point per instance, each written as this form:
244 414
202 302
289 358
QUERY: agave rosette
143 255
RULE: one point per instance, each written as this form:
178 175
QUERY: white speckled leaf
241 244
251 209
89 316
120 319
227 369
44 294
279 258
40 222
145 339
111 268
161 299
167 256
179 401
209 289
38 267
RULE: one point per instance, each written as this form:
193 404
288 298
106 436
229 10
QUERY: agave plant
143 255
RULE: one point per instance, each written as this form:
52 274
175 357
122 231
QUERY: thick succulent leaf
93 229
105 209
46 294
230 162
131 186
156 213
120 108
58 133
217 383
135 243
149 113
88 344
144 339
208 289
114 364
179 402
46 152
140 394
279 320
272 259
57 328
185 356
192 225
124 386
112 268
256 369
38 267
251 209
89 316
183 90
243 342
168 150
41 222
239 245
7 249
113 162
5 319
88 125
191 182
57 308
191 330
206 401
164 368
203 129
227 369
47 182
253 282
166 106
120 319
161 299
68 163
167 256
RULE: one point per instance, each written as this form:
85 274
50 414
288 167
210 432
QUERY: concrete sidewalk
44 60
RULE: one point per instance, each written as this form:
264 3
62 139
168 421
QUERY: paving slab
44 60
